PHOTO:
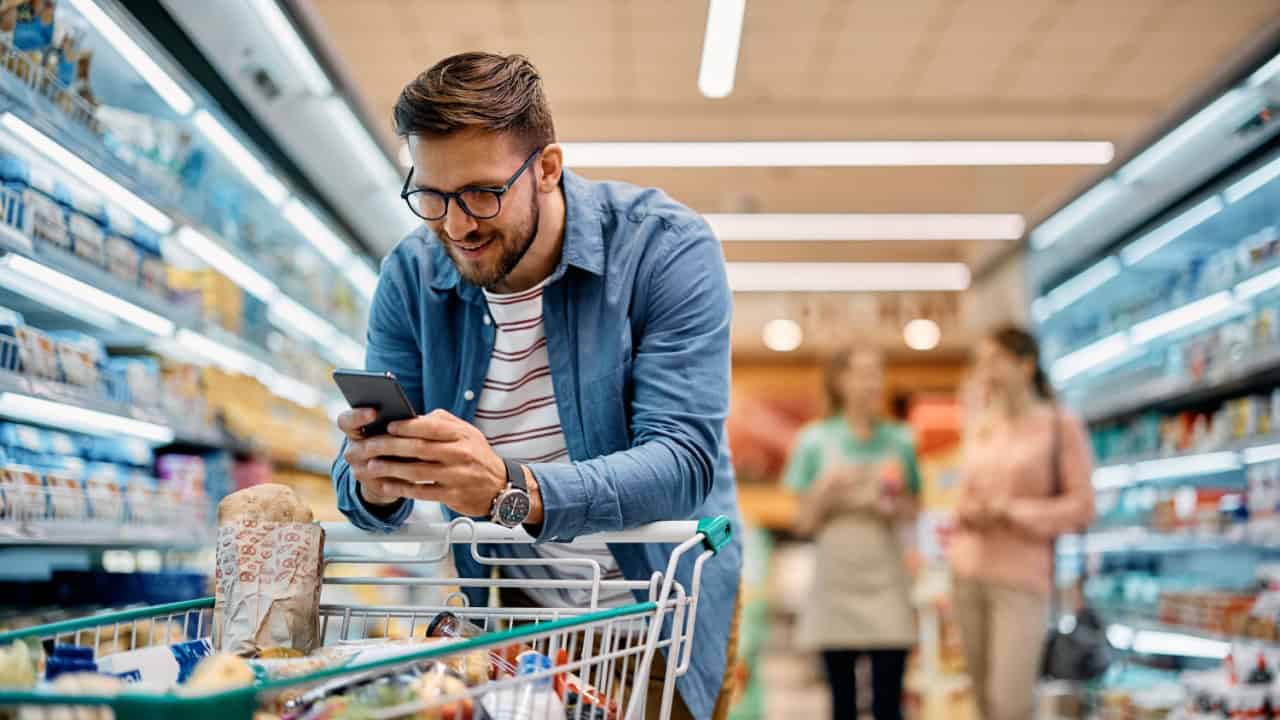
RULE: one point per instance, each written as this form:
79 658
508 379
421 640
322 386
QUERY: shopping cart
604 657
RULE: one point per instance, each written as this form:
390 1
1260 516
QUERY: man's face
484 251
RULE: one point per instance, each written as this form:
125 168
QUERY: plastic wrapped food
24 492
66 498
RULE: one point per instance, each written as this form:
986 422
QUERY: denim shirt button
487 320
468 396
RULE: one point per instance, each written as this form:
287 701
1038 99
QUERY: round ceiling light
782 335
921 334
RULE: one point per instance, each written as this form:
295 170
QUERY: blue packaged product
13 179
60 443
123 258
67 497
139 498
46 213
17 436
80 358
69 659
102 487
141 378
86 223
153 275
10 321
33 33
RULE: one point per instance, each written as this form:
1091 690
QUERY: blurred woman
858 476
1024 480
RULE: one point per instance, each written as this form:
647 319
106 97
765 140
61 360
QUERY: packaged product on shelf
153 273
79 358
85 226
122 451
134 380
122 256
37 354
220 299
139 496
181 477
33 35
67 499
10 321
23 491
269 556
102 485
25 444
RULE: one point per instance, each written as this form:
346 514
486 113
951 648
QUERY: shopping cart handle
716 533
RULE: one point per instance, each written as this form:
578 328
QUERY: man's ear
551 163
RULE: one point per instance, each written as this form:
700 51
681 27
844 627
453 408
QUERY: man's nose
457 223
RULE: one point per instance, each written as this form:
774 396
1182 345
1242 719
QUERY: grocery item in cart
501 661
444 691
19 665
268 572
222 671
533 700
160 666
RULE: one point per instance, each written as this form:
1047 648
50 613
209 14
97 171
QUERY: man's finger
398 488
410 472
437 425
351 421
402 447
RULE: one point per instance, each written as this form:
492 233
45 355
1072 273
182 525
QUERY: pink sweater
1010 463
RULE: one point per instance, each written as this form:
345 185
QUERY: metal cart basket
604 656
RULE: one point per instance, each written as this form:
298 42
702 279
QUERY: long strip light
87 174
1112 477
90 295
301 322
158 79
317 233
241 159
222 260
1253 181
1066 219
1153 642
203 350
1184 465
1089 357
363 278
847 277
1082 284
313 76
720 47
1261 454
360 140
78 419
50 296
854 226
875 153
1170 231
1265 74
1142 165
1202 310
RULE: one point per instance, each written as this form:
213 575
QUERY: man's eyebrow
484 184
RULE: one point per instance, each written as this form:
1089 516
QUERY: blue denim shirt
637 322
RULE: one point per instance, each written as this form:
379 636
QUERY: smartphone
380 391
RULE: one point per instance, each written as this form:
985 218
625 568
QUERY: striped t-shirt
517 413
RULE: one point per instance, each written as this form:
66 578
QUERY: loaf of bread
271 502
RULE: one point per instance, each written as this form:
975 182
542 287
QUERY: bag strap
1055 465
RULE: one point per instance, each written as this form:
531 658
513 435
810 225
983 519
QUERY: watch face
513 508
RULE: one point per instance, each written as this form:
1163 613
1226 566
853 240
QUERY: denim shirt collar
583 241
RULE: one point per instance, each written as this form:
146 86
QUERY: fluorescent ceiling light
239 156
87 174
1065 220
293 390
1120 636
54 298
1258 284
158 79
1194 127
90 295
361 140
348 352
1041 310
216 353
1261 454
1112 477
846 277
313 76
921 334
1089 357
856 153
823 226
1205 309
78 419
782 335
300 322
317 233
1184 465
222 260
1084 283
1266 73
1150 642
1254 180
1170 231
720 47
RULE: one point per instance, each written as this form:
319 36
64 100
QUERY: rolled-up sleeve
391 346
679 403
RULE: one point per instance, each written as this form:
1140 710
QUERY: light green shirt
820 441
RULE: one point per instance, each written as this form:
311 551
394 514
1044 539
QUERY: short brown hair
498 93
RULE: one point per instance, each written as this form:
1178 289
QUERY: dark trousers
887 669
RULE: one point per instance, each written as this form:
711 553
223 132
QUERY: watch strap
515 475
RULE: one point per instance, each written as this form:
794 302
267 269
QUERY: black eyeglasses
481 203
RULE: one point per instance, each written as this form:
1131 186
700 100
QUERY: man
567 336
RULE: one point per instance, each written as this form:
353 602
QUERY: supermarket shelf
1144 635
99 517
1142 539
62 534
82 399
1232 457
1166 390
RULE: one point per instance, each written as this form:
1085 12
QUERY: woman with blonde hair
858 478
1024 480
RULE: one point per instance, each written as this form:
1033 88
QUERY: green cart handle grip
717 532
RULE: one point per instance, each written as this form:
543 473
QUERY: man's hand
435 457
351 423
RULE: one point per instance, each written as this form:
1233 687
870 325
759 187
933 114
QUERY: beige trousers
1002 630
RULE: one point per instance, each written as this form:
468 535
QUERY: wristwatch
512 505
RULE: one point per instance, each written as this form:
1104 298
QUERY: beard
512 244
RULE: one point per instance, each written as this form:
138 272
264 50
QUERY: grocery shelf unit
1156 298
